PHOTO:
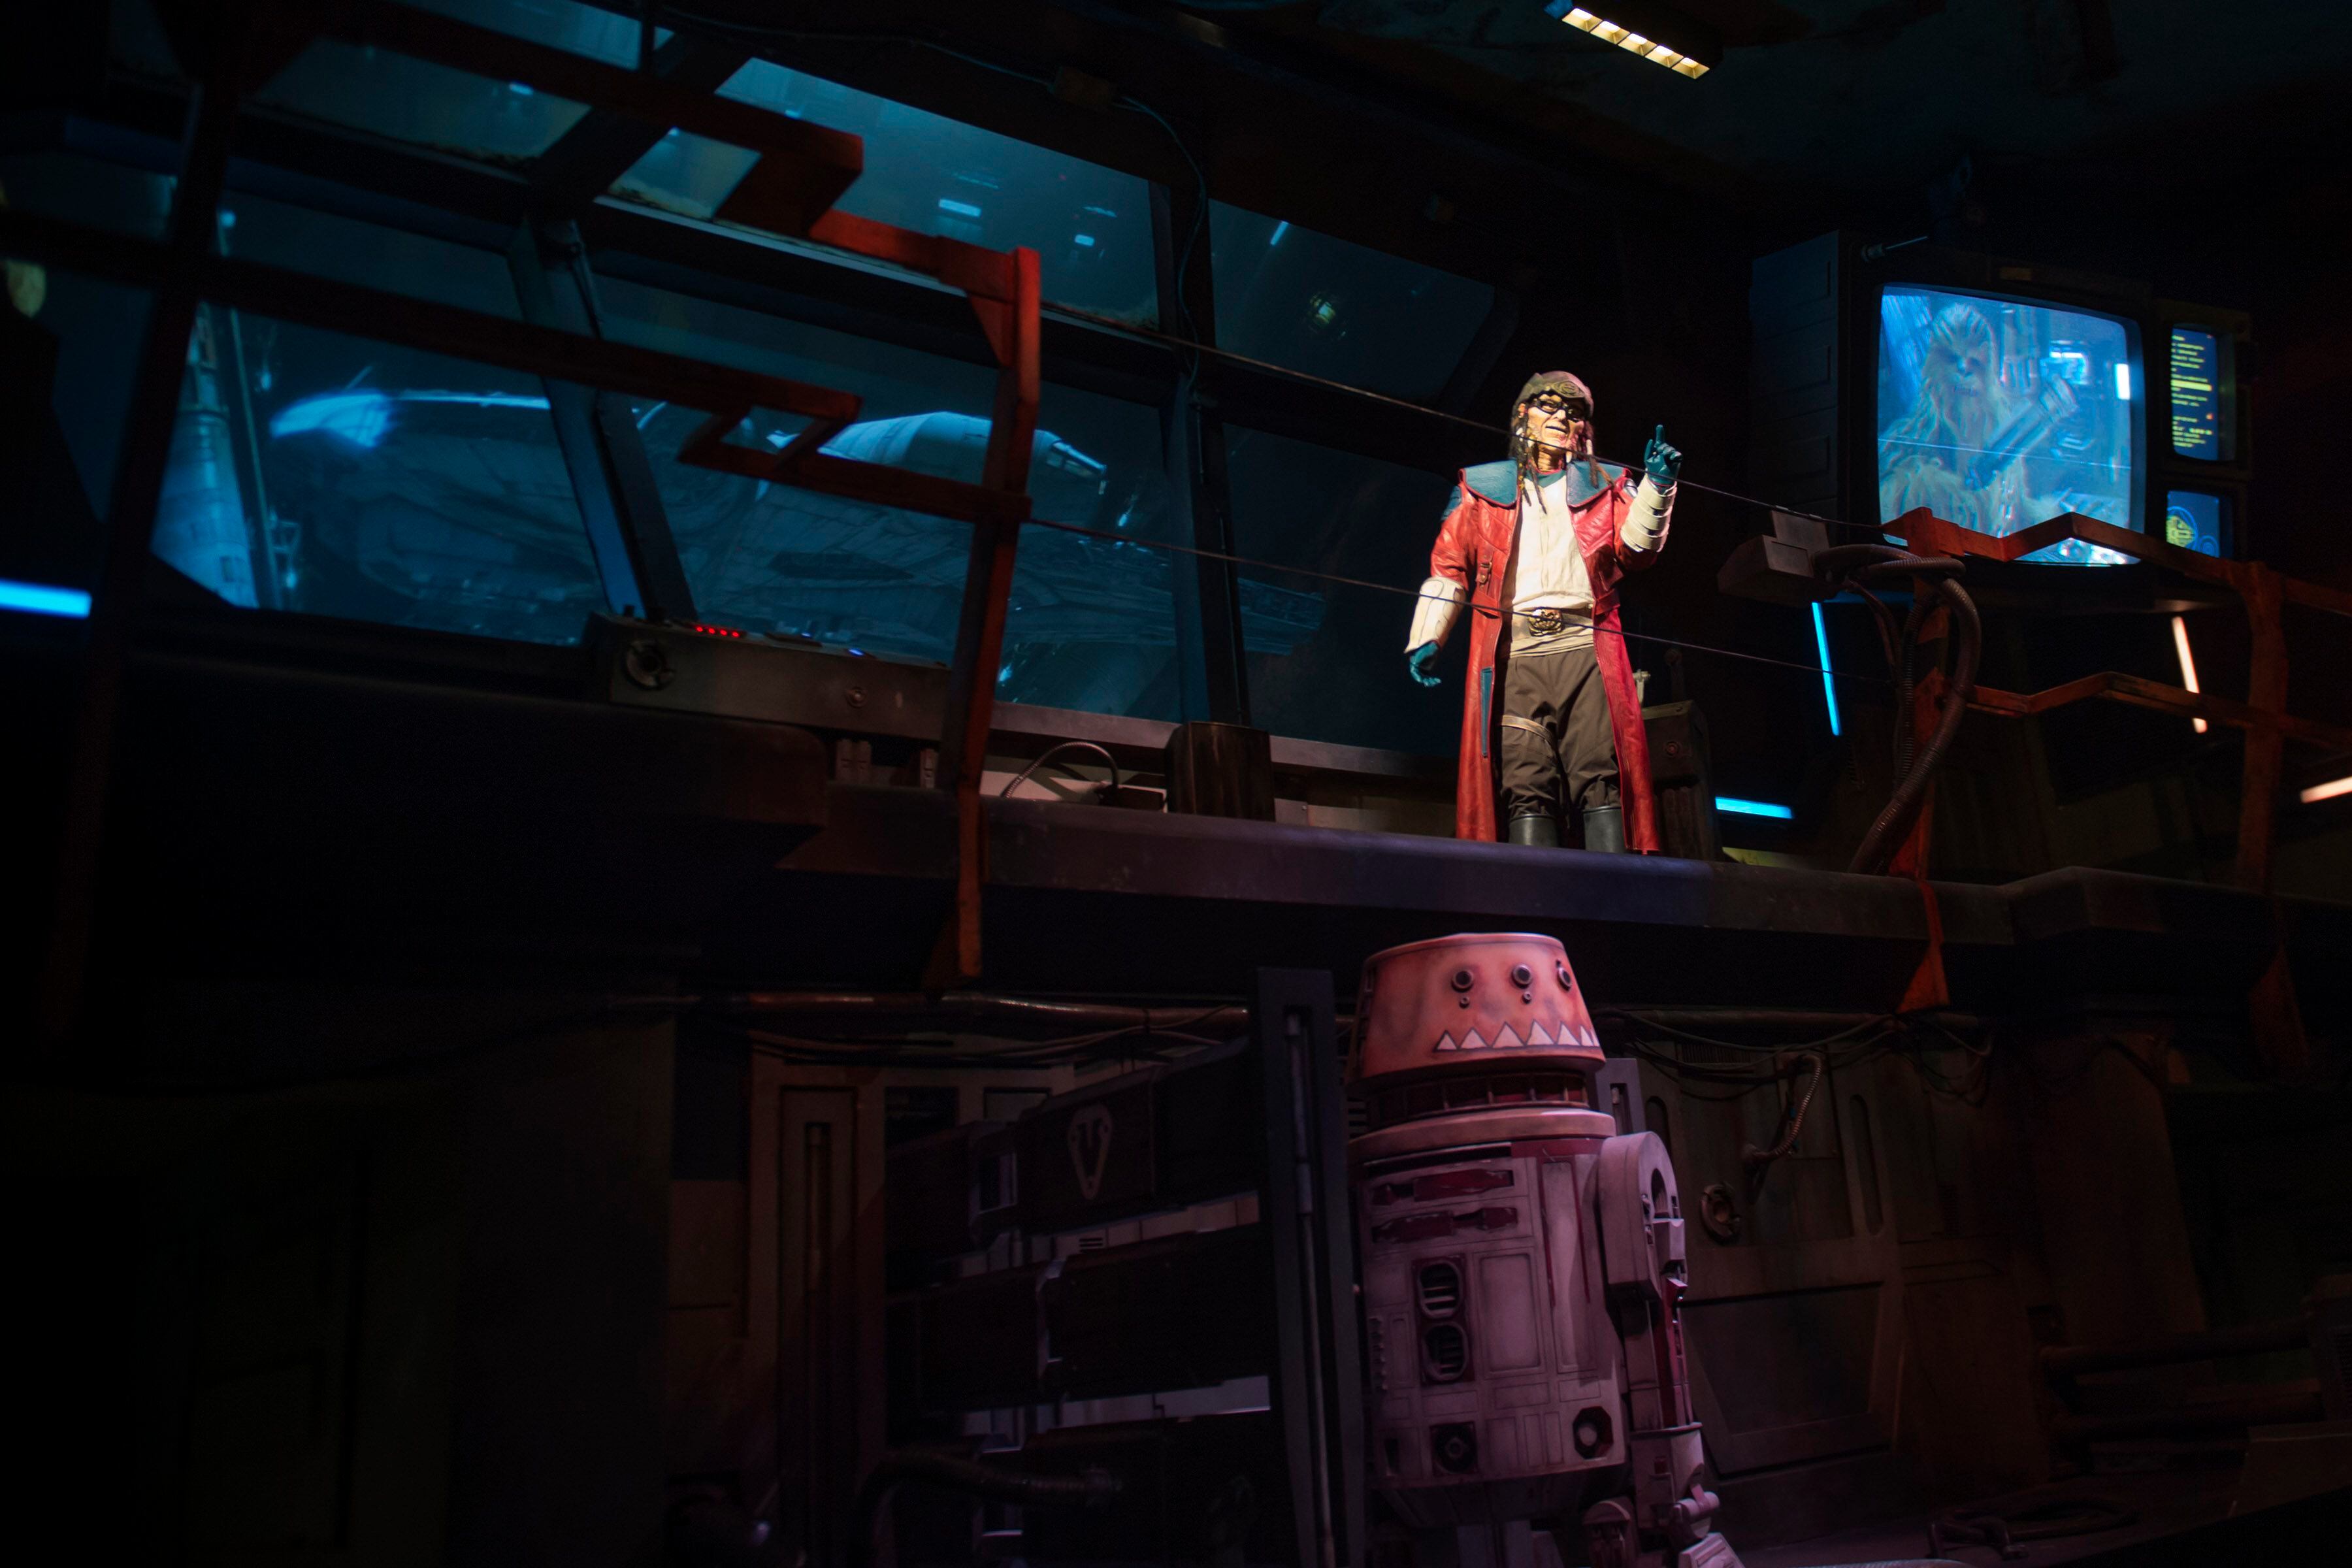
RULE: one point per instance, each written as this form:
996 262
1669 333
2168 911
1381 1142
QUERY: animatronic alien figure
1537 543
1959 451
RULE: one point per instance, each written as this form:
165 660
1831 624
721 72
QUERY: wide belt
1546 622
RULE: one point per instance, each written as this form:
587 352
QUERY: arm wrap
1646 519
1435 613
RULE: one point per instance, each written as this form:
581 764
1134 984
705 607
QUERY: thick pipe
1895 822
2060 1362
885 1013
2287 1403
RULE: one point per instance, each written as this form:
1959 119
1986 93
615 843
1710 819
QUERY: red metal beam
2271 1005
987 596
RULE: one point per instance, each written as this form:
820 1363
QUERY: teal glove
1661 462
1419 660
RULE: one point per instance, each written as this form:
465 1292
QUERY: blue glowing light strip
1738 808
1829 683
36 599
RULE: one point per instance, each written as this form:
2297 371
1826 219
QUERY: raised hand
1419 661
1660 461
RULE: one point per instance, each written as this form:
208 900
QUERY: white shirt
1547 572
1546 526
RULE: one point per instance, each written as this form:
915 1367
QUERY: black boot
1534 828
1604 829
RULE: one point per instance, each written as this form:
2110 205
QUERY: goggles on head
1555 402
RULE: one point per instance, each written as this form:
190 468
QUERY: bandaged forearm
1645 521
1434 611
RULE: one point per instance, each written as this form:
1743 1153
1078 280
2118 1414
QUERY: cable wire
1191 350
1049 753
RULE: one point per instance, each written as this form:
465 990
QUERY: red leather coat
1473 549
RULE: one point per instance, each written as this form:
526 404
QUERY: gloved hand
1661 462
1419 661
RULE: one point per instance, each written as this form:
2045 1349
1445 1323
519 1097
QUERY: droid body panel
1522 1265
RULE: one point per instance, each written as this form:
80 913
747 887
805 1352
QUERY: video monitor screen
1997 413
2195 394
2196 520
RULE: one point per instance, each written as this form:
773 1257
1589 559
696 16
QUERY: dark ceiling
1858 93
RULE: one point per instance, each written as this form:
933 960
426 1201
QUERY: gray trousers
1559 754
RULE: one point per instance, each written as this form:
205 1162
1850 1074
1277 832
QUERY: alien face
1551 421
1961 354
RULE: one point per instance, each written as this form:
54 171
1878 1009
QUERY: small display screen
1997 413
2195 394
2196 520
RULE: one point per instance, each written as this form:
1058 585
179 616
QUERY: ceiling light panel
1626 34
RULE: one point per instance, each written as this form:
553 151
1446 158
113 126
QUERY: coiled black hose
1858 564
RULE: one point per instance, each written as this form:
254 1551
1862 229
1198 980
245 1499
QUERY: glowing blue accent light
1004 675
1101 212
961 209
227 218
39 599
363 418
1085 239
2123 382
1738 808
1829 682
1280 230
519 89
857 653
357 418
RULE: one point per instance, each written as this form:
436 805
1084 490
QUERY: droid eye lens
1461 980
1565 982
1522 974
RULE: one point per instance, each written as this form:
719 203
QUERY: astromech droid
1521 1266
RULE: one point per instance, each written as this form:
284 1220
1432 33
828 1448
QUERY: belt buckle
1547 623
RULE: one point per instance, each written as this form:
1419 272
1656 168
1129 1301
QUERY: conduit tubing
2060 1362
887 1012
1858 562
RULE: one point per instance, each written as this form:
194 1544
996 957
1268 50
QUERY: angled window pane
1325 659
331 475
1092 622
78 340
1090 227
137 42
87 191
392 259
599 34
1295 298
419 101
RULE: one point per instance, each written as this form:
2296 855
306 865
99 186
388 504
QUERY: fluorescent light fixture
1829 682
40 599
961 209
1626 38
1738 808
2327 791
2188 665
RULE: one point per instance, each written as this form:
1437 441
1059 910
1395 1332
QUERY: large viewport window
331 474
1997 413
